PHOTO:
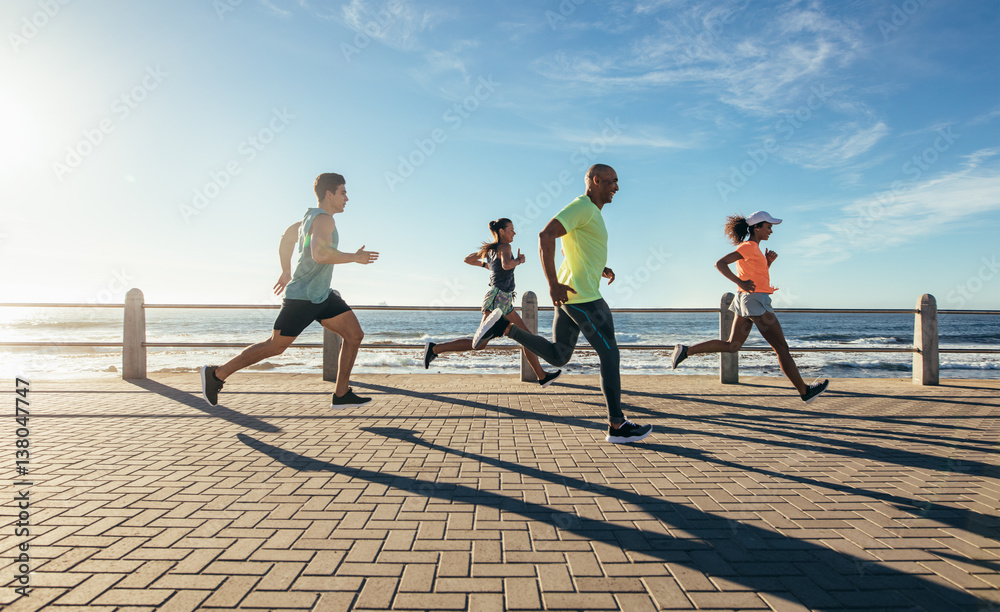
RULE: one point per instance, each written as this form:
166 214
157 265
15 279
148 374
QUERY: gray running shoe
680 354
210 385
429 355
348 400
628 432
549 378
814 390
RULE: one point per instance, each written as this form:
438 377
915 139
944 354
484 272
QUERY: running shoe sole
677 356
626 440
487 323
354 405
552 380
826 386
204 385
428 348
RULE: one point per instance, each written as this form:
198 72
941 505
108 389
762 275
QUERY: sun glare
23 136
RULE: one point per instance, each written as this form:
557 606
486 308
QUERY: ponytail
738 230
489 248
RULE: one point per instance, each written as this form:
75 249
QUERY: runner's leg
346 326
565 333
769 327
737 336
597 325
531 357
453 346
275 345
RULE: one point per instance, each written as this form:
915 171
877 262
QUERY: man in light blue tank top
308 296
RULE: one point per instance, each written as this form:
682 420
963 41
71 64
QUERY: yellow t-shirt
753 267
586 248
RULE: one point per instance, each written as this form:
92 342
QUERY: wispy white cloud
760 63
646 7
985 117
406 27
395 23
853 140
632 136
913 212
275 9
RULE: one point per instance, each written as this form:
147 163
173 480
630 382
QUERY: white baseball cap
760 217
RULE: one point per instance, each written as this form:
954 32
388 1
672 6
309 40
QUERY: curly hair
737 229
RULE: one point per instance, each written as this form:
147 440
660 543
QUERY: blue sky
166 146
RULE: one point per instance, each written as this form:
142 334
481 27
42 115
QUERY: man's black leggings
594 320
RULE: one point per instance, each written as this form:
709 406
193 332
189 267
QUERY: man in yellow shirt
575 292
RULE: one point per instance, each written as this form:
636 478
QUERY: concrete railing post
331 355
134 336
925 340
729 363
529 313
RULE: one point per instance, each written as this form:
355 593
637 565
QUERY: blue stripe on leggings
599 334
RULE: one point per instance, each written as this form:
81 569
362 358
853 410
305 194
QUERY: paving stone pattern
484 493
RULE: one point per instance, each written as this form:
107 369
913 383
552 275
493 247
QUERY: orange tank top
753 267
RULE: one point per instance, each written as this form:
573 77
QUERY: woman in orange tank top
752 304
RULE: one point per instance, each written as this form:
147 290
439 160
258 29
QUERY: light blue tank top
311 280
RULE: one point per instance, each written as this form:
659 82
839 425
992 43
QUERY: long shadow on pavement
983 525
761 560
514 412
704 399
790 425
196 402
855 450
842 448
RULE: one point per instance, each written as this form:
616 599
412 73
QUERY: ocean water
418 327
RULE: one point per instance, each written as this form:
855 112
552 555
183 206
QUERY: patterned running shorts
496 298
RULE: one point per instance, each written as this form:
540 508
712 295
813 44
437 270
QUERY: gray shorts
749 305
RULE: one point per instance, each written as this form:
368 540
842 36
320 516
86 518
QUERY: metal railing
925 350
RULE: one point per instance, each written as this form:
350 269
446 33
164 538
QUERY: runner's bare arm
507 259
473 260
322 250
547 252
723 266
285 250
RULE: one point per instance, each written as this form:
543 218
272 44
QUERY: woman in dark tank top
498 258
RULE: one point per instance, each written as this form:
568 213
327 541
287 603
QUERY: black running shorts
296 315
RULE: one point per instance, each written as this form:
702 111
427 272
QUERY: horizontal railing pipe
925 349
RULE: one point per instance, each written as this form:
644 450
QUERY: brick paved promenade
484 493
